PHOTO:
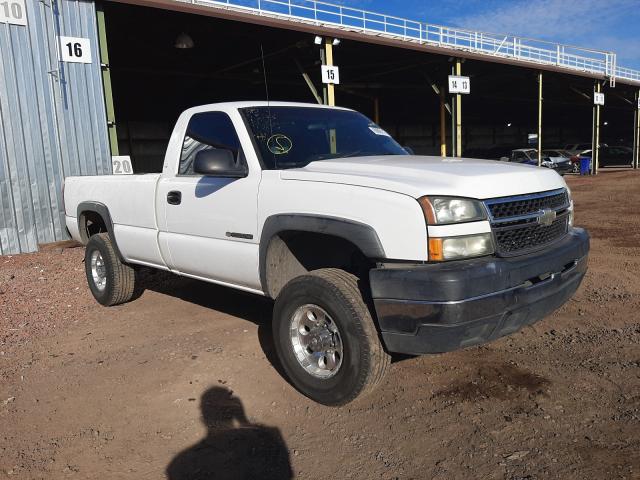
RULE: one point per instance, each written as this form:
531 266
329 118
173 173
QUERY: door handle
174 197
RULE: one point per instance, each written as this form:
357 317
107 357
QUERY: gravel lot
183 379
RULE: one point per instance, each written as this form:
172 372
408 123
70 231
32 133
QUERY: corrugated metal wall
52 121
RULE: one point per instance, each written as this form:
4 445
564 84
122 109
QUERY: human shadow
233 448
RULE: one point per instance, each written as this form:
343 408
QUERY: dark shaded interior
153 82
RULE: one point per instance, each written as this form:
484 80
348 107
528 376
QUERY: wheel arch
85 211
361 236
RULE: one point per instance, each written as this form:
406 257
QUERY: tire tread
123 275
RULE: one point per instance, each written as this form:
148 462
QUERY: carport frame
636 132
329 32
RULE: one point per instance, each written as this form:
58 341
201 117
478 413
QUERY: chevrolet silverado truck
365 249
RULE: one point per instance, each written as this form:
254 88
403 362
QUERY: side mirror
219 163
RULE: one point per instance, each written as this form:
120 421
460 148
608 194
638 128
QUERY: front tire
110 280
326 339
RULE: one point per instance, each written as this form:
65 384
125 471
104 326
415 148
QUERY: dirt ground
184 379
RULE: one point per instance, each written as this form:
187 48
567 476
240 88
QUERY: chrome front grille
526 223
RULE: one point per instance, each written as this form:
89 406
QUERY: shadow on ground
233 448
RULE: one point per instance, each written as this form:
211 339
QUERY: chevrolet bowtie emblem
547 217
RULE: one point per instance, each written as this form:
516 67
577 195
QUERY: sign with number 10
13 11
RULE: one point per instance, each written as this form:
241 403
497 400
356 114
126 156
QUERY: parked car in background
615 156
562 160
577 148
529 156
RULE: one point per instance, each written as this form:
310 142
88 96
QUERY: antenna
266 90
264 73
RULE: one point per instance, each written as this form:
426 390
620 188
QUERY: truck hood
422 175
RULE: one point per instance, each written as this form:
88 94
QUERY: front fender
361 235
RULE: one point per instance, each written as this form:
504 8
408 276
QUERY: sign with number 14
458 84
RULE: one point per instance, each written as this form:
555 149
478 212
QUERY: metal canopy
374 27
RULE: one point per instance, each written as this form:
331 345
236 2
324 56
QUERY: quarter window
207 131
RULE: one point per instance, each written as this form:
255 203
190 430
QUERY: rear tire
343 360
110 280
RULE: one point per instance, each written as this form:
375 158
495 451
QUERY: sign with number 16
75 49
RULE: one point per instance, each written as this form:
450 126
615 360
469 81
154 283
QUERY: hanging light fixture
184 41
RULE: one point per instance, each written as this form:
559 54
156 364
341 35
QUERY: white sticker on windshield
379 131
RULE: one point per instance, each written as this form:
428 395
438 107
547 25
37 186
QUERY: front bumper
435 308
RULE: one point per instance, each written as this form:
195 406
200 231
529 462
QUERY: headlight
444 210
454 248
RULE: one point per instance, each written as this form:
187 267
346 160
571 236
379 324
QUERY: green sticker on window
279 144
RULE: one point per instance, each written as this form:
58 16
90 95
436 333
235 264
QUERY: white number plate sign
75 49
13 11
459 84
330 74
598 98
121 165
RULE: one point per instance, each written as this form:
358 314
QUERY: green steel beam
106 80
636 132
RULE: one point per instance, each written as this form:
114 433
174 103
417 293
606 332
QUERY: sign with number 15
330 74
75 49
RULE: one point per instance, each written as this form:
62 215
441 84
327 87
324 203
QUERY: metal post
328 52
539 119
595 148
443 125
458 150
453 119
376 110
106 80
308 81
323 59
636 133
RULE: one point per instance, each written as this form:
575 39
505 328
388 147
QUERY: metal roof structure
320 16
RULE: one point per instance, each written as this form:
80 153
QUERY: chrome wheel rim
316 341
98 270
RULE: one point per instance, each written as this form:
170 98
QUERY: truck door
208 224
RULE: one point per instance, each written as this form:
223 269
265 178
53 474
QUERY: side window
208 130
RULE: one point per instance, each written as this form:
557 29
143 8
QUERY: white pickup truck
365 249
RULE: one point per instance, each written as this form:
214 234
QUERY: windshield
292 137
